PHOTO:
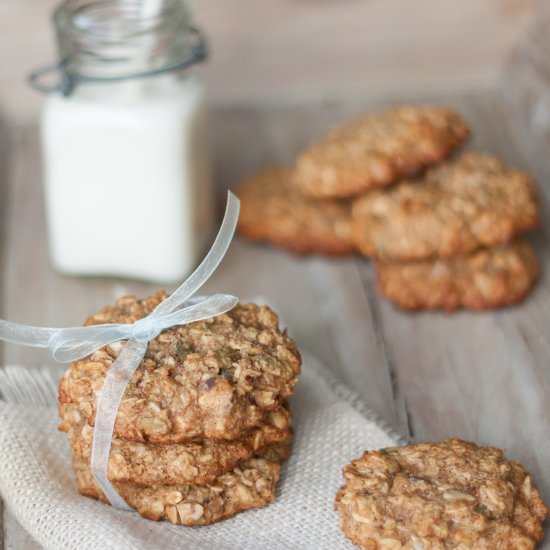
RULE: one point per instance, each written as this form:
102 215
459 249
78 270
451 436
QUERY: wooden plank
458 375
478 376
252 139
481 376
281 50
335 323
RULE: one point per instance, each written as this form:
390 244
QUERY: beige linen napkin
331 427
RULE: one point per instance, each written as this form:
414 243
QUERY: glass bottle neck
113 40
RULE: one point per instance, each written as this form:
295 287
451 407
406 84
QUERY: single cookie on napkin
377 150
446 494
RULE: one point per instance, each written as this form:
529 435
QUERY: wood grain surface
287 49
482 377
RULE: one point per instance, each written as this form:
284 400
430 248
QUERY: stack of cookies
450 239
443 231
204 423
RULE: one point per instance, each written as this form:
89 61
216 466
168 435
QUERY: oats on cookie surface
443 495
214 379
457 207
195 461
204 422
249 485
273 211
377 150
488 278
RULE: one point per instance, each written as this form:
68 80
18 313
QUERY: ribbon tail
26 335
210 263
107 406
71 344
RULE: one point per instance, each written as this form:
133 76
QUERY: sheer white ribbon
71 344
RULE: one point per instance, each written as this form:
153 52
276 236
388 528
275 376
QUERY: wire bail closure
66 82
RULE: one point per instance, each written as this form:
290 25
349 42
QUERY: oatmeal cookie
377 150
273 211
194 462
250 485
212 379
454 209
443 495
486 279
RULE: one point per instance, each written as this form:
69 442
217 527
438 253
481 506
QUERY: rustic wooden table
482 377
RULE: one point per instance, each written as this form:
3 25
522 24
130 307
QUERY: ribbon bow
71 344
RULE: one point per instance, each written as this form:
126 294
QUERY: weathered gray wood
330 295
478 376
269 50
334 317
481 376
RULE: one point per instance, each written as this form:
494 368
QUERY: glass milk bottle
127 183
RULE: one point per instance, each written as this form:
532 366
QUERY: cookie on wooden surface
455 208
377 150
486 279
193 462
250 485
211 379
442 495
273 211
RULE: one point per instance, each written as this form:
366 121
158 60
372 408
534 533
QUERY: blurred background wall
294 50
